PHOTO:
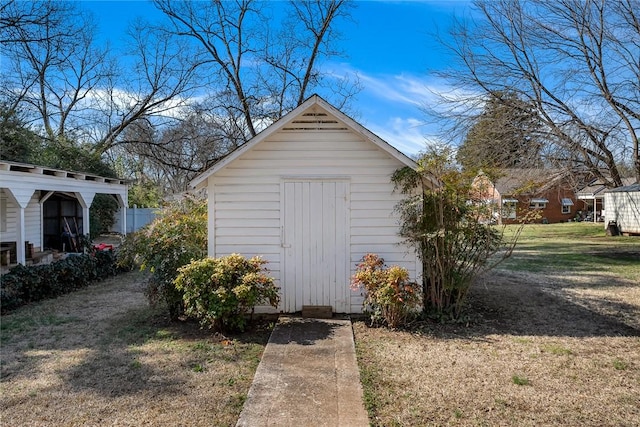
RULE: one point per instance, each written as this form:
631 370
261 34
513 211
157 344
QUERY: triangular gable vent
316 122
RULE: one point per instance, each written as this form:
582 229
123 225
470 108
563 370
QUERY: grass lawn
102 356
576 248
553 339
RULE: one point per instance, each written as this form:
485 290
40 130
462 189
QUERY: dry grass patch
101 356
412 379
546 348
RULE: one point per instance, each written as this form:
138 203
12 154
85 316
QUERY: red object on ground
103 247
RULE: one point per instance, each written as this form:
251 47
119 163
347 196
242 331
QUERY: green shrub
390 297
174 239
443 217
106 264
22 285
102 214
220 292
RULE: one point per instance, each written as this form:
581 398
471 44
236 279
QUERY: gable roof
288 121
631 188
527 180
597 188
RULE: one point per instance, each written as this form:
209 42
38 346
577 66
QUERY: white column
123 202
20 237
21 197
86 199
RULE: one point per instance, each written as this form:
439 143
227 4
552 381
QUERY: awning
539 201
567 202
509 200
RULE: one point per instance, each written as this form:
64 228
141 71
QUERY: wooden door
315 241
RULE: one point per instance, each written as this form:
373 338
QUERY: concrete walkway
308 376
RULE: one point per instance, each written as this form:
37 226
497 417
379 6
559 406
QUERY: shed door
315 241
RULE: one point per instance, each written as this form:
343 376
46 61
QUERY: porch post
21 257
21 197
123 202
86 199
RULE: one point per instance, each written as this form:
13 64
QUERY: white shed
623 206
311 194
36 202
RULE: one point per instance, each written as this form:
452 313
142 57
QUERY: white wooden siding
11 210
32 221
623 207
247 205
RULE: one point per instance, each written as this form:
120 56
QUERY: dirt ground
101 356
538 349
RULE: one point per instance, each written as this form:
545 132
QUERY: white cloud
401 134
415 91
408 135
394 106
124 101
389 89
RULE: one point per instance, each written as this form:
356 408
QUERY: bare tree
72 88
262 73
576 61
17 20
139 109
158 87
172 155
292 55
53 64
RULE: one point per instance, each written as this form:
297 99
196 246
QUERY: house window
538 203
566 206
509 208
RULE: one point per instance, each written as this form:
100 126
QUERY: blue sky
389 44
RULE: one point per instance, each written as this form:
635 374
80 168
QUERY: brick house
528 195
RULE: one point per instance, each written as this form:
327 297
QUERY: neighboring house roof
291 120
527 181
625 189
597 189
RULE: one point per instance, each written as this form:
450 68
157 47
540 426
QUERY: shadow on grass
528 303
115 368
109 358
510 304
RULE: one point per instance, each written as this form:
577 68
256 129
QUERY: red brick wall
553 211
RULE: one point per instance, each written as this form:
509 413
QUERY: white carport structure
24 189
